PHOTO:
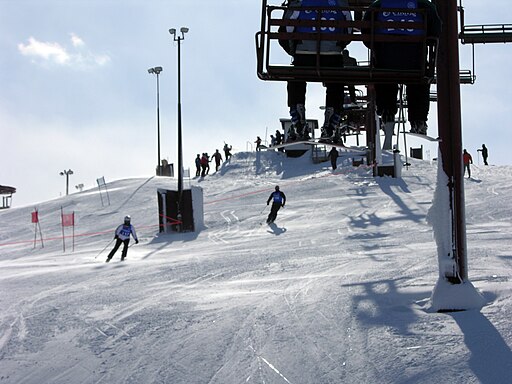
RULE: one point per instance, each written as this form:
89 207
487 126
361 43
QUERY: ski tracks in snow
232 228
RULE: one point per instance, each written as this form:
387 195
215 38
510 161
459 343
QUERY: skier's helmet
277 187
127 220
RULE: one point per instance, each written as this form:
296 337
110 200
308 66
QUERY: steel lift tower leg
452 257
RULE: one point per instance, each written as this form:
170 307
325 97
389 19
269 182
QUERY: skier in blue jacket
122 236
278 199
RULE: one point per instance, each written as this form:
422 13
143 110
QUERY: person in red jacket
467 159
204 164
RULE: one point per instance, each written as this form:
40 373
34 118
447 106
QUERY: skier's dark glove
136 241
267 202
282 205
116 237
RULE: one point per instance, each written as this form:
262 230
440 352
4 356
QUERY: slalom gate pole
104 248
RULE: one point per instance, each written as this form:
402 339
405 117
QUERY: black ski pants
401 56
273 212
334 93
418 101
116 247
334 160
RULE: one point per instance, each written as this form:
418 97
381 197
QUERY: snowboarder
218 158
304 54
485 153
122 236
467 159
333 155
278 200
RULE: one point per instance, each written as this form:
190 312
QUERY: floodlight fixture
67 173
156 71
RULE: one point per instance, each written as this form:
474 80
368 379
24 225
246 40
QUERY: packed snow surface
338 290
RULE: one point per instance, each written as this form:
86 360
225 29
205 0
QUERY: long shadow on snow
386 185
165 239
491 357
392 308
275 162
275 230
404 212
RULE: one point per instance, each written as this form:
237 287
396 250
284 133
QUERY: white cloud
77 41
52 52
48 51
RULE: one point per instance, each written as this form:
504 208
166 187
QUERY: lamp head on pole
173 32
155 70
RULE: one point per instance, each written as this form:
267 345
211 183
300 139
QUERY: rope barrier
173 221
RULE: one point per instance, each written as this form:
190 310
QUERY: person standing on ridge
218 158
258 143
204 164
227 151
279 137
122 236
467 159
198 165
485 153
333 155
278 200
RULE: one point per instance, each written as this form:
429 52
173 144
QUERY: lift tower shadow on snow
453 290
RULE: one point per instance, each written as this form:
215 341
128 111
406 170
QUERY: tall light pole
178 38
156 71
67 173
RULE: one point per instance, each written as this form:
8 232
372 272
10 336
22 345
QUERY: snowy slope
336 291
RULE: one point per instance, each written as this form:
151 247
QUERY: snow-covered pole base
447 295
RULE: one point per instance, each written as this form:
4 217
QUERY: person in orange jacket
467 160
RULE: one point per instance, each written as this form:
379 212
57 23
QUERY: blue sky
76 93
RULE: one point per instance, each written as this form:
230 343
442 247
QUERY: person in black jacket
198 165
485 153
278 199
402 56
333 155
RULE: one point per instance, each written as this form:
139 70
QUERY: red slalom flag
68 219
35 217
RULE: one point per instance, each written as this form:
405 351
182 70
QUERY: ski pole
104 248
263 209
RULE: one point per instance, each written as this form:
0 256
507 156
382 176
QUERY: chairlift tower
441 66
